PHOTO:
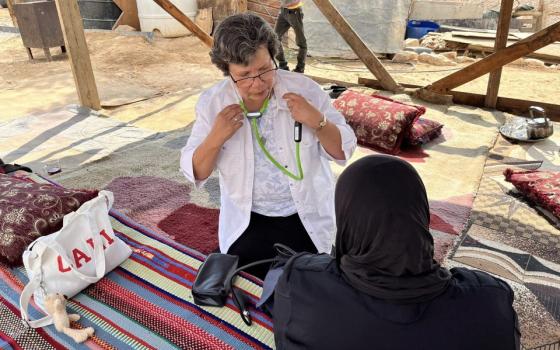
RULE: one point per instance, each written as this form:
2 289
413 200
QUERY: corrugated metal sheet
99 14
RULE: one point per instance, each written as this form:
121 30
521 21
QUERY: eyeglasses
264 77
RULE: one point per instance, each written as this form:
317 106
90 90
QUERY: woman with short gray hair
270 134
239 38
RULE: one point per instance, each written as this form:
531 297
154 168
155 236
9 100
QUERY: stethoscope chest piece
253 115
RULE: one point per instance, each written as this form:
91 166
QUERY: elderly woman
384 290
273 189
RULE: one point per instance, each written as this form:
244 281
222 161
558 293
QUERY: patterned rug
165 206
150 189
146 303
139 162
156 195
512 238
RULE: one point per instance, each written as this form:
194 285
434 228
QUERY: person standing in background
291 15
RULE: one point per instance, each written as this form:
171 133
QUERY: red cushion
542 187
29 210
423 131
379 122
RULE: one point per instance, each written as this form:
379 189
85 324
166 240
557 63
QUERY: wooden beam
260 8
129 14
523 13
498 59
204 19
539 21
376 84
502 35
222 9
462 41
10 4
546 13
267 9
203 4
74 37
504 104
546 58
241 6
322 81
186 21
357 44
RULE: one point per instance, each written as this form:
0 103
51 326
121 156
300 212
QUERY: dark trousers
256 243
286 19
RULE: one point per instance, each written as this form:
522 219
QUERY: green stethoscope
253 116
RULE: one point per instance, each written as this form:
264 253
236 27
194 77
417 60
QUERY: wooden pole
357 44
129 14
539 22
510 105
73 29
502 34
498 59
186 21
10 4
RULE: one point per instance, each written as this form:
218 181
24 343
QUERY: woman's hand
303 111
228 121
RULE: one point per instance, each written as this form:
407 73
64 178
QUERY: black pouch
211 286
216 275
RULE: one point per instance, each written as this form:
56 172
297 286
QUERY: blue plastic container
417 29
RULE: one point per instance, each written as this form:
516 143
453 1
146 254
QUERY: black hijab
383 245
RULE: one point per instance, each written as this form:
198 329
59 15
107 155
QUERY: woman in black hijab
384 290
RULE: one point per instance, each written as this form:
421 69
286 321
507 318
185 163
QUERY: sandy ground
174 69
182 66
164 67
5 19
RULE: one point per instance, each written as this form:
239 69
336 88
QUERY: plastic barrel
417 29
152 17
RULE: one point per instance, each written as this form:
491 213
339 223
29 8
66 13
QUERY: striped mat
146 303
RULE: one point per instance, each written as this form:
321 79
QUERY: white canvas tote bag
69 260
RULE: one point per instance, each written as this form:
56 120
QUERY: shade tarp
380 23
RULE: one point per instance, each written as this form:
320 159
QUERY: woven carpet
146 303
140 165
512 238
164 205
156 195
149 188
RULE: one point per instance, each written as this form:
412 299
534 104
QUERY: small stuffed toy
55 304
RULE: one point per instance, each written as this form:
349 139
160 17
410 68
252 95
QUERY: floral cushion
542 187
423 131
29 210
378 122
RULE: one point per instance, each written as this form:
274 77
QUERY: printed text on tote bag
80 256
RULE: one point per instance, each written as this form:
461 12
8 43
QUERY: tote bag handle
27 293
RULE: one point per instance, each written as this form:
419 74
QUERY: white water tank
153 17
